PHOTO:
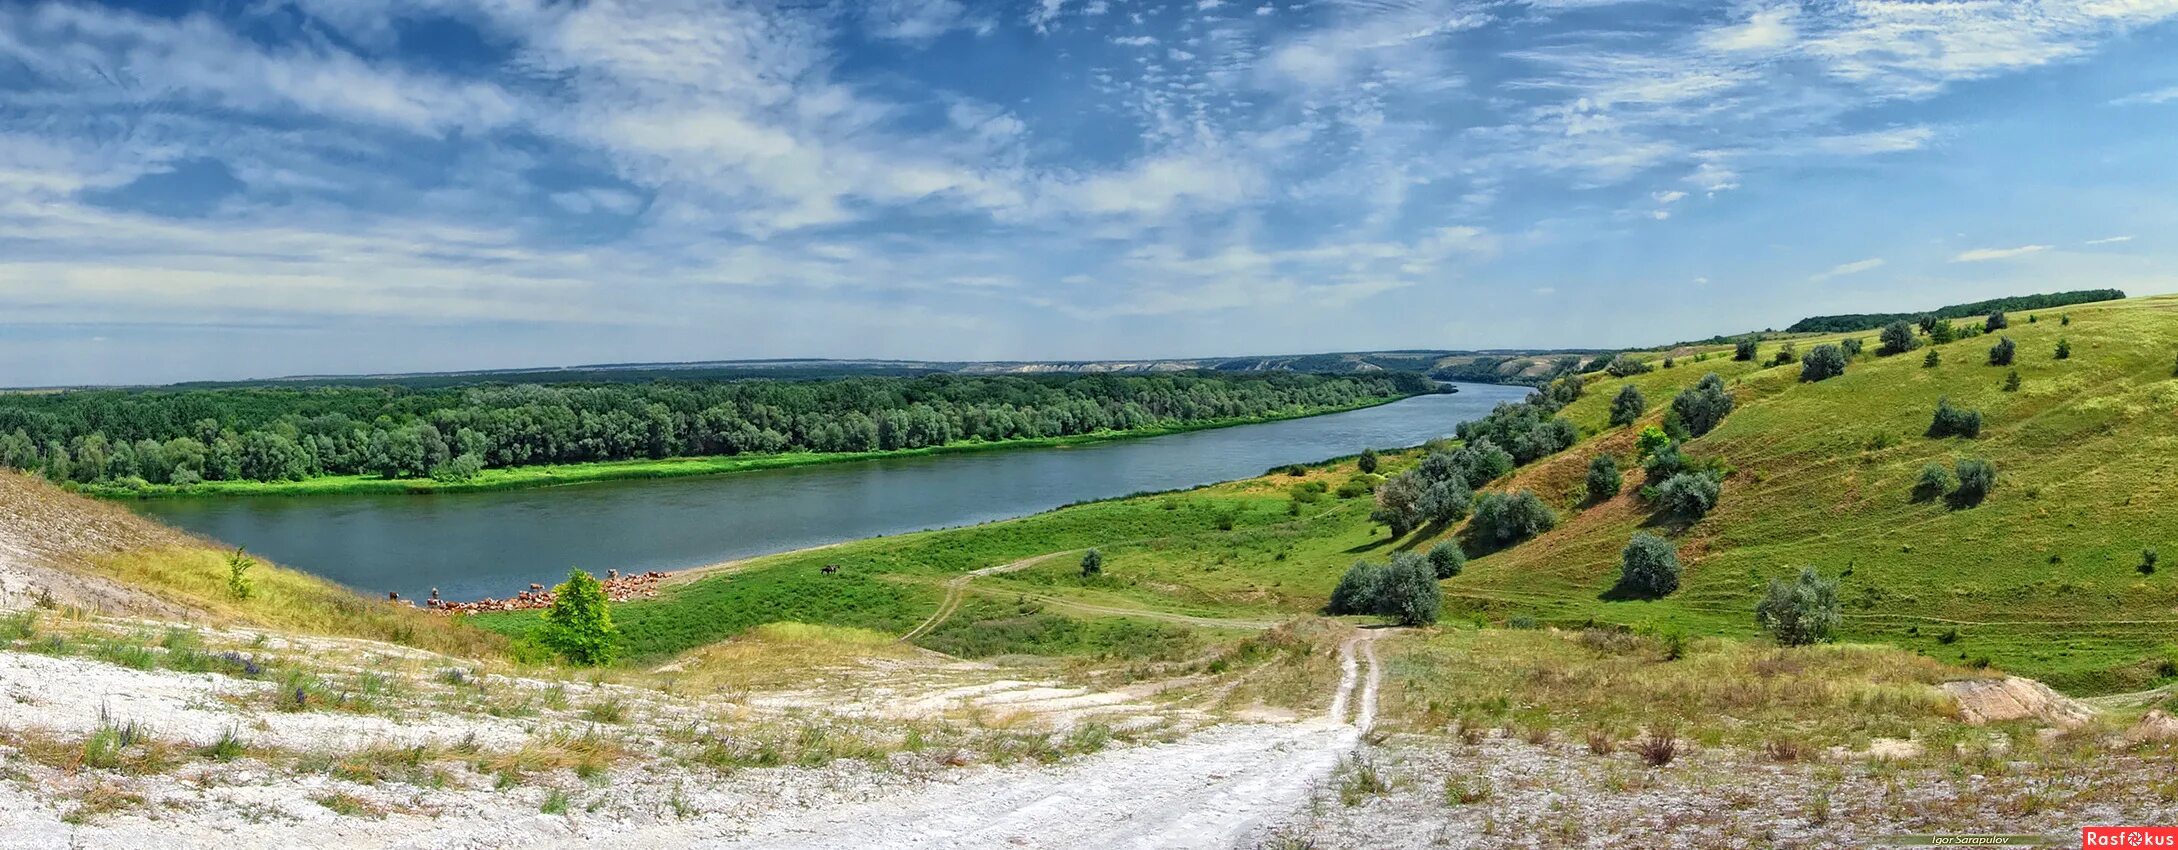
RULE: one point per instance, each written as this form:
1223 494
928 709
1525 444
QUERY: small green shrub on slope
1800 612
1604 479
1627 406
1503 519
579 626
1648 566
1704 406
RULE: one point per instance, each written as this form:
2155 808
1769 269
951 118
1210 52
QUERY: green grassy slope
2040 579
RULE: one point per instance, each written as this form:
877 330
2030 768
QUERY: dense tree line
274 434
1866 321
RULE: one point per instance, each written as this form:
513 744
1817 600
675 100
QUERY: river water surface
472 545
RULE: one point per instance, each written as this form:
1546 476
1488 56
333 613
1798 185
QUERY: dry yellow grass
102 556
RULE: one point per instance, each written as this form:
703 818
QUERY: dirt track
1219 788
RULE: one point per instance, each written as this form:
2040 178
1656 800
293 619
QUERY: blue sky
264 188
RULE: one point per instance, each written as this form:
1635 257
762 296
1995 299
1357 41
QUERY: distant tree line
1870 321
274 434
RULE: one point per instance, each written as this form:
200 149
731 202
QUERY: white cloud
2148 97
1670 197
1896 140
1712 176
1982 255
1767 29
1851 268
2110 240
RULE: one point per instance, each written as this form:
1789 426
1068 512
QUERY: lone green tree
1447 559
1704 405
1368 461
2064 349
1897 338
1933 360
1743 350
1604 479
2002 352
1996 322
1648 566
1409 593
1092 564
1628 406
1821 362
579 625
1358 590
1800 612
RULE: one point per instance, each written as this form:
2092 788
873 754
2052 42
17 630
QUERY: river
472 545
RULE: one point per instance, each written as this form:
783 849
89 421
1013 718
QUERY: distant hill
1512 366
1871 321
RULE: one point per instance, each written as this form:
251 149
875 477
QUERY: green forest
186 436
1871 321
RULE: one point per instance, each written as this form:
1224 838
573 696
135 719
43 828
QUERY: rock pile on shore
618 588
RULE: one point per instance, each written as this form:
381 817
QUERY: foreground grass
1618 685
523 477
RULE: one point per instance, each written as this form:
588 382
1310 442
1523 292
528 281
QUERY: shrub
1624 366
1897 338
1503 519
1976 478
1785 354
1800 612
1357 590
1399 503
1352 488
1954 421
1704 405
579 625
1941 331
2064 349
2062 319
1408 593
1688 496
1664 463
1822 361
2148 557
1996 322
2002 352
1657 748
459 468
1852 346
1368 461
1481 462
1627 406
2011 381
238 574
1446 501
1604 479
1935 481
1648 566
1092 563
1933 359
1652 438
1743 350
1447 559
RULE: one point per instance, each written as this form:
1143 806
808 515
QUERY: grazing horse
830 569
